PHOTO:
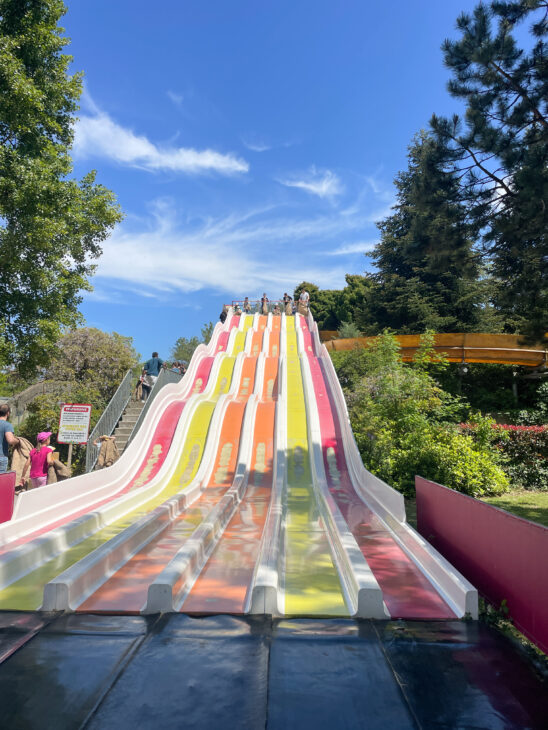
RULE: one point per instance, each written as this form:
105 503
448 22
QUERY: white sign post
74 425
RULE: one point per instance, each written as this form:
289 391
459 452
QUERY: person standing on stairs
151 370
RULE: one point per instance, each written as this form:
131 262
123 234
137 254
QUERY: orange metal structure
458 347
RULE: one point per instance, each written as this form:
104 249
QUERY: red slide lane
126 590
157 450
223 584
406 591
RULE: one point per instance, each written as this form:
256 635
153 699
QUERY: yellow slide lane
312 585
27 593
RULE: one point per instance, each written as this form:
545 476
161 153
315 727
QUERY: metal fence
255 305
165 378
19 402
110 417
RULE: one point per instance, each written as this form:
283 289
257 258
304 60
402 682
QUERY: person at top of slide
303 303
39 460
264 303
288 302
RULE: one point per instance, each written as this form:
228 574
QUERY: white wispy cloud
176 98
350 248
257 250
323 183
255 143
98 135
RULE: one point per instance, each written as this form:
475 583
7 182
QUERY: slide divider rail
167 592
36 508
362 591
17 562
389 506
73 586
169 589
265 596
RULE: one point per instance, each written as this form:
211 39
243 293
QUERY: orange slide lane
127 589
223 584
274 338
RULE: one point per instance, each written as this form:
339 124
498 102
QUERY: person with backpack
39 460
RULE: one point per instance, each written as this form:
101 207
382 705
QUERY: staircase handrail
109 418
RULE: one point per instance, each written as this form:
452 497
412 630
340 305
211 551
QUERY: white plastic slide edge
71 588
386 497
19 560
168 591
459 593
362 591
266 594
37 508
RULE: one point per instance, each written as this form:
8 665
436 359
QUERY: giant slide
243 492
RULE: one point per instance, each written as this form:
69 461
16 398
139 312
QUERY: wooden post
69 457
515 388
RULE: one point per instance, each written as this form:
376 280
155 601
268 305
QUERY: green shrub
524 450
348 330
405 424
440 454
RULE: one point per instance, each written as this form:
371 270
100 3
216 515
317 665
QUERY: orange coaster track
458 347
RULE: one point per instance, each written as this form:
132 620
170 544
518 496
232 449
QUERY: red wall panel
504 556
7 495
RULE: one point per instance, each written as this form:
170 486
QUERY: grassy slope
529 505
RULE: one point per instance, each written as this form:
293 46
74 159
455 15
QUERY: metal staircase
127 422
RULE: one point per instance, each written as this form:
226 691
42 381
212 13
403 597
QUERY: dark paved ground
176 671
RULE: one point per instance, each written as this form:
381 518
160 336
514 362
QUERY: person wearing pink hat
39 460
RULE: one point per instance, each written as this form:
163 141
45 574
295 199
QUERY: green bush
524 450
440 454
405 424
348 330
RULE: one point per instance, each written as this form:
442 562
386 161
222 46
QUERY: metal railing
110 417
255 305
165 377
19 402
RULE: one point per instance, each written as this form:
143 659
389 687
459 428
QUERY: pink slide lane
406 591
155 455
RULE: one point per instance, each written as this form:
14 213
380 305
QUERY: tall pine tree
427 273
502 145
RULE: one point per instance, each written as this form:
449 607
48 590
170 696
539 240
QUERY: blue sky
251 144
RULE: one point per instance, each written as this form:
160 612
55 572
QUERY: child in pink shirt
39 460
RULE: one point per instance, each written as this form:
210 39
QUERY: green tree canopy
331 307
51 226
184 347
87 366
93 358
502 145
207 331
427 273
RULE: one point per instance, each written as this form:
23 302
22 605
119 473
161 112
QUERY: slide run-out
243 492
